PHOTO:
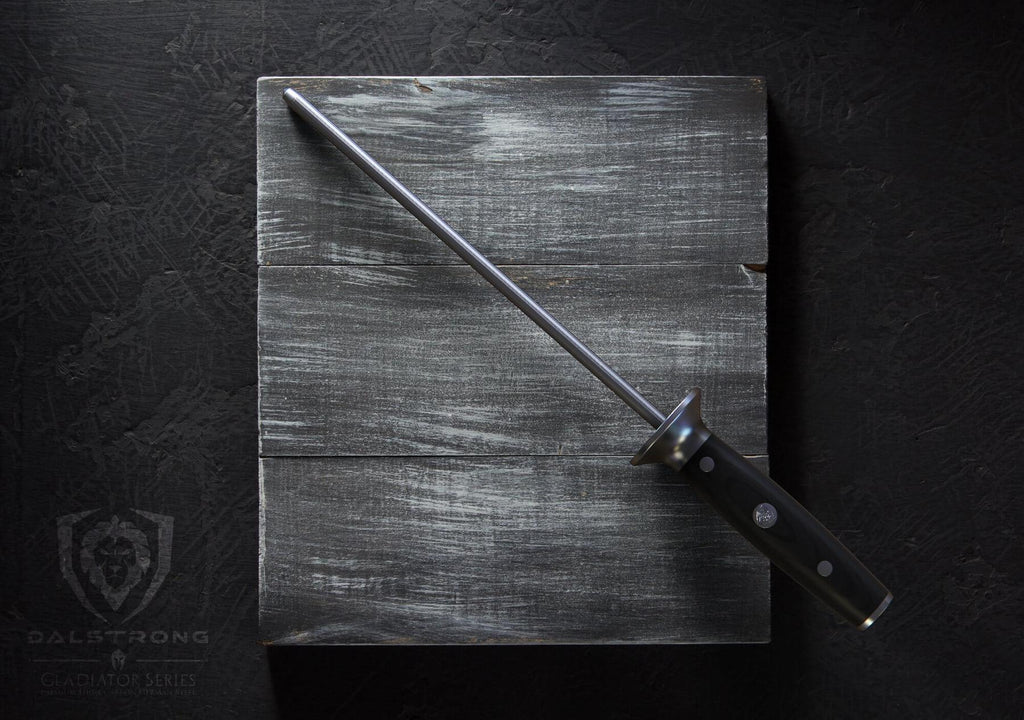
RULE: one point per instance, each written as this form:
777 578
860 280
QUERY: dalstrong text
131 637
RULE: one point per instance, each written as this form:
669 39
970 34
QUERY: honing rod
764 513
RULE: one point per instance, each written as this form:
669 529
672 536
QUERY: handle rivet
824 568
765 515
707 463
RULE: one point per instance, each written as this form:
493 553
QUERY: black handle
768 516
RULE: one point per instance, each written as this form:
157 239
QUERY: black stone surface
127 289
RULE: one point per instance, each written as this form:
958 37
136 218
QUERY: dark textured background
897 228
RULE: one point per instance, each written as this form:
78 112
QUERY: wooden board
436 470
447 366
476 550
549 171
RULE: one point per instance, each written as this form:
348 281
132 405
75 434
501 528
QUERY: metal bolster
678 438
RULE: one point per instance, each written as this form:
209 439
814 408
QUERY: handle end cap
877 613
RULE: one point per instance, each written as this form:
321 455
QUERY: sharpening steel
764 513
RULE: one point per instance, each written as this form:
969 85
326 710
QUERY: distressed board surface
565 170
434 355
467 549
434 469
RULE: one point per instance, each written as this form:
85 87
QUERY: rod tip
291 97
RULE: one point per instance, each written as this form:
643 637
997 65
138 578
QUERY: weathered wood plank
559 170
434 468
514 549
431 360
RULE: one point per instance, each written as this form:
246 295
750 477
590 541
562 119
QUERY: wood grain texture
434 468
467 550
534 170
403 360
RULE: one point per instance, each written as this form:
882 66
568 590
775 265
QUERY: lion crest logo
115 563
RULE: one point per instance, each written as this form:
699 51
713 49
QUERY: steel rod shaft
515 294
